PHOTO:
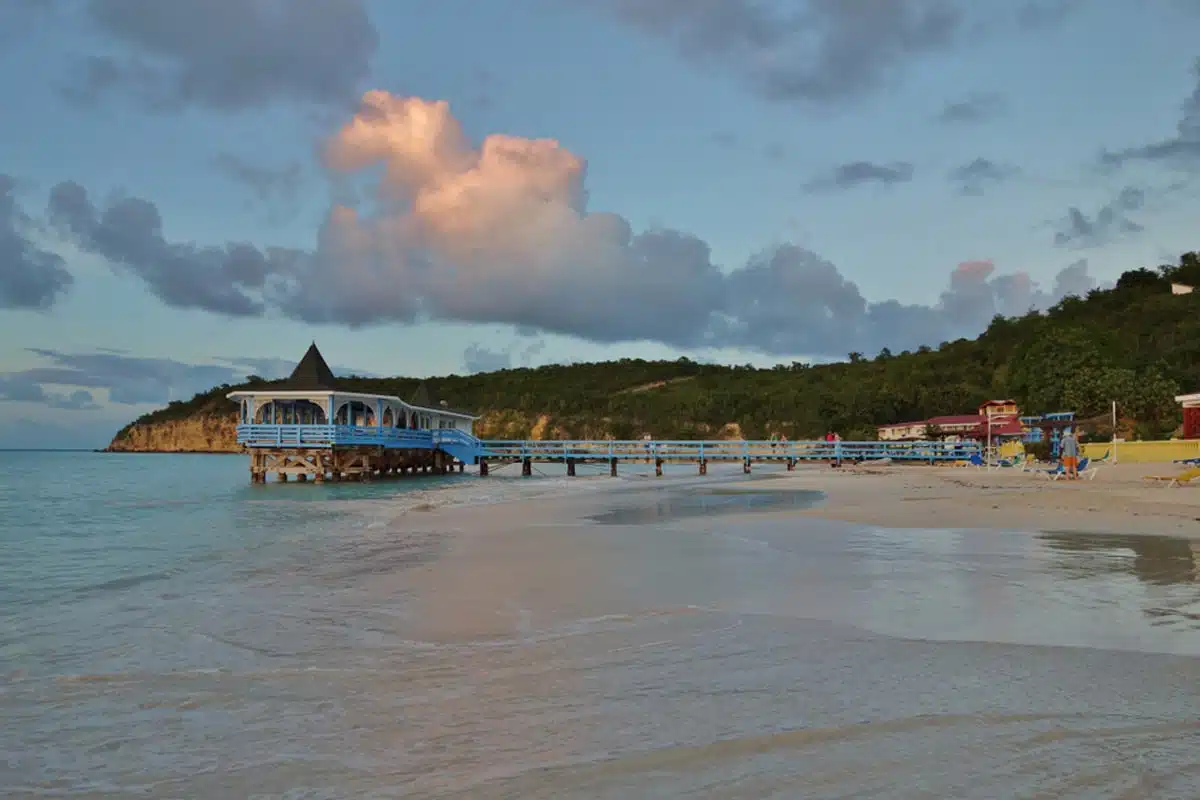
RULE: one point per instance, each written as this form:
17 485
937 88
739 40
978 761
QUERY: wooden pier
308 427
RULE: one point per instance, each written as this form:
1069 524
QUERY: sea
169 630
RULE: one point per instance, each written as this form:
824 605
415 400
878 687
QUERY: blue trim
466 448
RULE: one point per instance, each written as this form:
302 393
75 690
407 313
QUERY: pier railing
467 448
721 450
332 435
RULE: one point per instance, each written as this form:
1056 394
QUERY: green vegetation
1136 343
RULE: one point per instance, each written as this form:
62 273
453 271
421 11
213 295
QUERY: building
999 408
311 395
311 425
1002 415
1191 415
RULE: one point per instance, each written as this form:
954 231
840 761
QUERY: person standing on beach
1068 448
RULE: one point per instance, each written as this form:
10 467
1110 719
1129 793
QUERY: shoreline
1118 501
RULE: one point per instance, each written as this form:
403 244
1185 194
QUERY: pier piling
570 468
612 467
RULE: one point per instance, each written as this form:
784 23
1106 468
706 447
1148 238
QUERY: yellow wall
1146 452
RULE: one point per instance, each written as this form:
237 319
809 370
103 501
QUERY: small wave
127 582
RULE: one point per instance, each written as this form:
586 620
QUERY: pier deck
361 451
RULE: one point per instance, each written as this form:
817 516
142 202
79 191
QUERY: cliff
198 434
206 433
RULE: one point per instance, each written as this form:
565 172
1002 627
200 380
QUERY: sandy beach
1118 500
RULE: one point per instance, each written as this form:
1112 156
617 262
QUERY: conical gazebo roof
311 374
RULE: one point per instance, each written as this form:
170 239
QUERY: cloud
861 173
477 358
822 51
30 277
20 389
826 51
501 234
1181 150
273 368
129 232
1110 222
978 107
131 380
276 186
791 301
974 177
229 55
480 359
498 234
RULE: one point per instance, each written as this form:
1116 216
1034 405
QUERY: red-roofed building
1003 415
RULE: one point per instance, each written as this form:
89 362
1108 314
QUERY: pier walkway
297 449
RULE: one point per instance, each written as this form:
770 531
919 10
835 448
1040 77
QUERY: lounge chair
1084 469
1187 476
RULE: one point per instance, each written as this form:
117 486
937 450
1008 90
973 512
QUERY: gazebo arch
355 413
289 412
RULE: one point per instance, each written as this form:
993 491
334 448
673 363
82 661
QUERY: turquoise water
169 630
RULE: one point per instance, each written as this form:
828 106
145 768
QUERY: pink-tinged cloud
502 233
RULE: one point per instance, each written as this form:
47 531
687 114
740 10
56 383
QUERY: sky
193 191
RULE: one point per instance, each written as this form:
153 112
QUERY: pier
308 427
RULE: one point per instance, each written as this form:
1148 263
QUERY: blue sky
735 181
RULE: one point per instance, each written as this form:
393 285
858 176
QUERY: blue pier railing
466 448
317 436
720 450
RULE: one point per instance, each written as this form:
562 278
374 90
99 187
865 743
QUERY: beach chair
1187 476
1060 471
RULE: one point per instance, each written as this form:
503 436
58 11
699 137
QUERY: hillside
1136 343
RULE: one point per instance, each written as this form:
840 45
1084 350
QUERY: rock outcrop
199 434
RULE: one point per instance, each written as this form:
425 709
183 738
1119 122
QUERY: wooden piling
703 466
746 466
483 468
658 462
570 468
612 467
527 467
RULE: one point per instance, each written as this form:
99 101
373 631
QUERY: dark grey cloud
478 358
1181 150
862 173
662 283
30 276
128 232
790 301
273 368
131 380
822 51
975 177
1110 222
21 389
229 55
275 186
978 107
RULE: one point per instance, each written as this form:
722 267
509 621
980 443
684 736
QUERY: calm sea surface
169 630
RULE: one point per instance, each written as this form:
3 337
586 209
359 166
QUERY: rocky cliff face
201 434
211 434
